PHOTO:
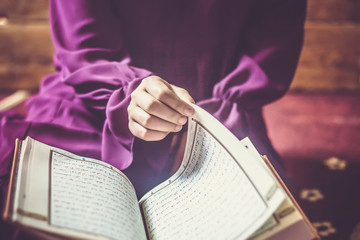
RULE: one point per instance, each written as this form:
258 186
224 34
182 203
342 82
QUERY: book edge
8 211
293 200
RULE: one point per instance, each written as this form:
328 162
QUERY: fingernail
189 112
178 128
182 120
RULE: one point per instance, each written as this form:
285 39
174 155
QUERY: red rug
318 136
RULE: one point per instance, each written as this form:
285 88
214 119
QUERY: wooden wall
25 43
330 60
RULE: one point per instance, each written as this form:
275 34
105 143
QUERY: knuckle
132 129
137 132
184 91
145 135
147 121
155 78
149 80
146 80
150 105
141 133
163 94
159 94
129 109
133 95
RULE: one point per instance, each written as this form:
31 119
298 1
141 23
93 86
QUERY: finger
146 134
183 94
152 122
156 108
164 93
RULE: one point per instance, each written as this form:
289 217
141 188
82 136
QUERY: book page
211 196
288 221
73 196
91 197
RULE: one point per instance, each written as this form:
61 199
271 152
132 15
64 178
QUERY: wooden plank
330 59
334 10
24 9
323 10
26 55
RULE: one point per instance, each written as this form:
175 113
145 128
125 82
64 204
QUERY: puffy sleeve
91 57
269 51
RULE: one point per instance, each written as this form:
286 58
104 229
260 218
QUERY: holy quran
224 189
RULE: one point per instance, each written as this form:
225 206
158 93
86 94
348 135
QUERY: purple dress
232 56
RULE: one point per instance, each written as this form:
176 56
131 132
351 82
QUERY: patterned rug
318 137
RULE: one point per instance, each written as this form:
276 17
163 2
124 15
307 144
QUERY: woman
127 70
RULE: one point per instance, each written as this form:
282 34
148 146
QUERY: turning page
219 192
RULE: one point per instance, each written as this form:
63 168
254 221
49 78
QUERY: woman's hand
158 108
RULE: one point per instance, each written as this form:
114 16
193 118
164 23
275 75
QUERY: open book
223 189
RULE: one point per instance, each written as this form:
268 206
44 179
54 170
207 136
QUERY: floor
318 137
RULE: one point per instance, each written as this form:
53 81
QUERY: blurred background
315 127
